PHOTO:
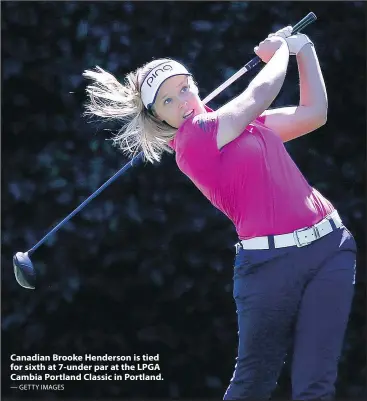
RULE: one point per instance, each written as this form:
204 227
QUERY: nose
183 103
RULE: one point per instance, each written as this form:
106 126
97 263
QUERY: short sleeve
261 119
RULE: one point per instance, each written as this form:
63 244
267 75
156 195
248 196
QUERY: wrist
283 42
283 47
297 42
305 49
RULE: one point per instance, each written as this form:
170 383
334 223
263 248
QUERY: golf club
24 271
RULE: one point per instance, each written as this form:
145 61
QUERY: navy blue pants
292 300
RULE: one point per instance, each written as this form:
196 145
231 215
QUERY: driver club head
24 270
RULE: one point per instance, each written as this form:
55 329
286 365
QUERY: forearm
239 112
312 86
268 82
261 92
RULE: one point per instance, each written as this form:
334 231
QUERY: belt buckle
296 239
238 247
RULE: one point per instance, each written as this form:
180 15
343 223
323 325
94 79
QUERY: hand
269 46
295 42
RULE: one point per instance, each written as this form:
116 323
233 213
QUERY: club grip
308 19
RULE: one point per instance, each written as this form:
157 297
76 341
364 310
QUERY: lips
188 114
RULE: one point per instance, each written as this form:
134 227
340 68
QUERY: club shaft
247 67
83 204
311 17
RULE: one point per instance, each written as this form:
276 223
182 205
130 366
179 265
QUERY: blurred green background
147 266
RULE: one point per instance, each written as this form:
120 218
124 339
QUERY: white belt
299 238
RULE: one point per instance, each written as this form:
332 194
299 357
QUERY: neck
165 122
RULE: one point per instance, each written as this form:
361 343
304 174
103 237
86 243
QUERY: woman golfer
295 261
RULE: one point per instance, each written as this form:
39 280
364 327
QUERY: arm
234 116
293 122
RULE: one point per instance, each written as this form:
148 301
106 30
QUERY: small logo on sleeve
206 122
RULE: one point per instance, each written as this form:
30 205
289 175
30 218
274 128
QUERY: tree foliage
147 266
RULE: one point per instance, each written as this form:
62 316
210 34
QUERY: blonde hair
121 102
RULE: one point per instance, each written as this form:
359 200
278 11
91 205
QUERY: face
177 100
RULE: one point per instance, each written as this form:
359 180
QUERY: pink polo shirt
252 179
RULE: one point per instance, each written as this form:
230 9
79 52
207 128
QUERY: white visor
153 81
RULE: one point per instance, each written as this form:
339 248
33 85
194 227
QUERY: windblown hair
121 102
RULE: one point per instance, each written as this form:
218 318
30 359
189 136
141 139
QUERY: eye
167 101
185 88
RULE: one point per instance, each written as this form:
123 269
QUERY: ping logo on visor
155 73
154 80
